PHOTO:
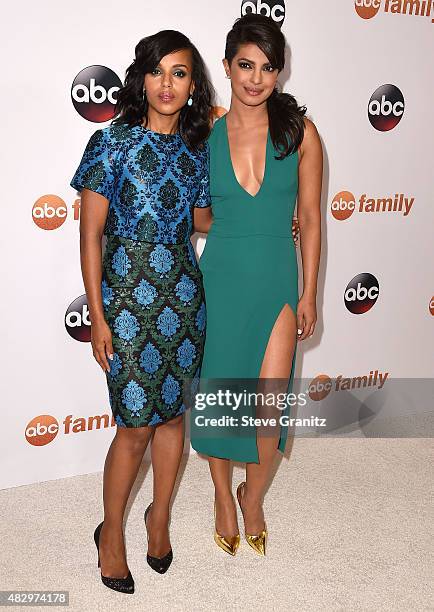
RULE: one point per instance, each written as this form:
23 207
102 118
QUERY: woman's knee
175 422
135 438
279 352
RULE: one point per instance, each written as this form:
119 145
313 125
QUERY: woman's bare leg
166 452
120 471
226 513
276 364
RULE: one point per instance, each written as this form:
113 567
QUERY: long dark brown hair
285 117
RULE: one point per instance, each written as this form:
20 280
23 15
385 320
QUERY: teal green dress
249 269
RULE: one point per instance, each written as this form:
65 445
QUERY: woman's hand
306 317
102 347
295 229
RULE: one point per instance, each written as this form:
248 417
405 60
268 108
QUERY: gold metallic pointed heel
257 541
230 544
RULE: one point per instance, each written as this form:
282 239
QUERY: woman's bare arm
309 217
93 215
202 219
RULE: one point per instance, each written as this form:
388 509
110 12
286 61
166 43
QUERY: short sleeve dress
151 286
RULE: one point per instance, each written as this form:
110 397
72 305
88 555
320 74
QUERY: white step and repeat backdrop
363 69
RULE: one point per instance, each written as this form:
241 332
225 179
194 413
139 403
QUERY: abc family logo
42 429
344 204
361 293
366 9
386 107
322 384
49 211
269 8
94 93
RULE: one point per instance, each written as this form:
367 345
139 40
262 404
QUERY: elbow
89 239
309 219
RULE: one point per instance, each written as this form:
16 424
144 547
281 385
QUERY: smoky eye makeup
245 65
178 73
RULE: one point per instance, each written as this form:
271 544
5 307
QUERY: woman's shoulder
109 138
218 121
309 128
311 137
118 133
216 130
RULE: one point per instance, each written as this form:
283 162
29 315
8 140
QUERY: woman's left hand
306 317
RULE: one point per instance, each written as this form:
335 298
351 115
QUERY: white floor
350 522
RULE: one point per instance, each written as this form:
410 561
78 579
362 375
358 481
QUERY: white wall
338 59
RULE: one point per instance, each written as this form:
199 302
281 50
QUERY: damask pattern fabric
151 286
151 180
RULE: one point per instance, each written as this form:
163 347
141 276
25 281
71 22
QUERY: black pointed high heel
123 585
158 564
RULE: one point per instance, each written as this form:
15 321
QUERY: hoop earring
190 101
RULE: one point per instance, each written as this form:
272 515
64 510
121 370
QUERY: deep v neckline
232 165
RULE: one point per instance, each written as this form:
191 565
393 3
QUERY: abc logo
269 8
386 107
361 293
77 321
343 205
320 387
367 8
94 93
431 306
41 430
49 212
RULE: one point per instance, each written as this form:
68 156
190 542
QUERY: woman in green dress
264 155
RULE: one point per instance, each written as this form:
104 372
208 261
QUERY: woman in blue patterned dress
140 179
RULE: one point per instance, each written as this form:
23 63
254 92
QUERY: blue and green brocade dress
151 284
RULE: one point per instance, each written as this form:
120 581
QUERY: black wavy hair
284 115
132 106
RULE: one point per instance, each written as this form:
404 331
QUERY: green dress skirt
249 268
